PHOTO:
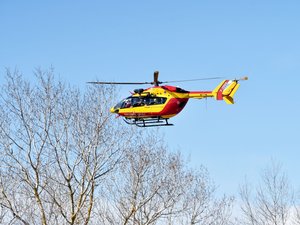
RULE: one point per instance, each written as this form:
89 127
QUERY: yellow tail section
226 91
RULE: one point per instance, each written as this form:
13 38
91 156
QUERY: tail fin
226 90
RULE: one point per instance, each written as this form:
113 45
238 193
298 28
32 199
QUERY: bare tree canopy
57 145
65 160
156 187
272 202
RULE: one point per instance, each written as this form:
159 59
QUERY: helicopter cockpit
140 101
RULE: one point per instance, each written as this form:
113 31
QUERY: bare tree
272 202
156 187
148 185
296 217
296 210
57 146
203 205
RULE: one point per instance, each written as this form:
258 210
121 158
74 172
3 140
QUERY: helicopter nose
114 110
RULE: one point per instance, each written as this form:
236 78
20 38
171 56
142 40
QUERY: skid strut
148 122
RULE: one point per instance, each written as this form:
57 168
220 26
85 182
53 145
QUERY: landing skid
148 122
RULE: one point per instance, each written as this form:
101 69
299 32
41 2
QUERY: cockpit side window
155 100
140 101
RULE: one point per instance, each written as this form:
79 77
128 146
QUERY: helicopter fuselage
156 102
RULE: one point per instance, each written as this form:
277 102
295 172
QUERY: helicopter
155 105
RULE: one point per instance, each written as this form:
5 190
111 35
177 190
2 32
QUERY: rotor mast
155 78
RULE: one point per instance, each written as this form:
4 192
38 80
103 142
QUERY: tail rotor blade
242 78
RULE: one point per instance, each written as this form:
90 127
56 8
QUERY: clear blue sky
128 40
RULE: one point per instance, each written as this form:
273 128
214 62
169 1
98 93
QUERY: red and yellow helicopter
154 106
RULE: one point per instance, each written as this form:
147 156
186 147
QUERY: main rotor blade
125 83
177 81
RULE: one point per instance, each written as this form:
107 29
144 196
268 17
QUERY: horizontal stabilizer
228 100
